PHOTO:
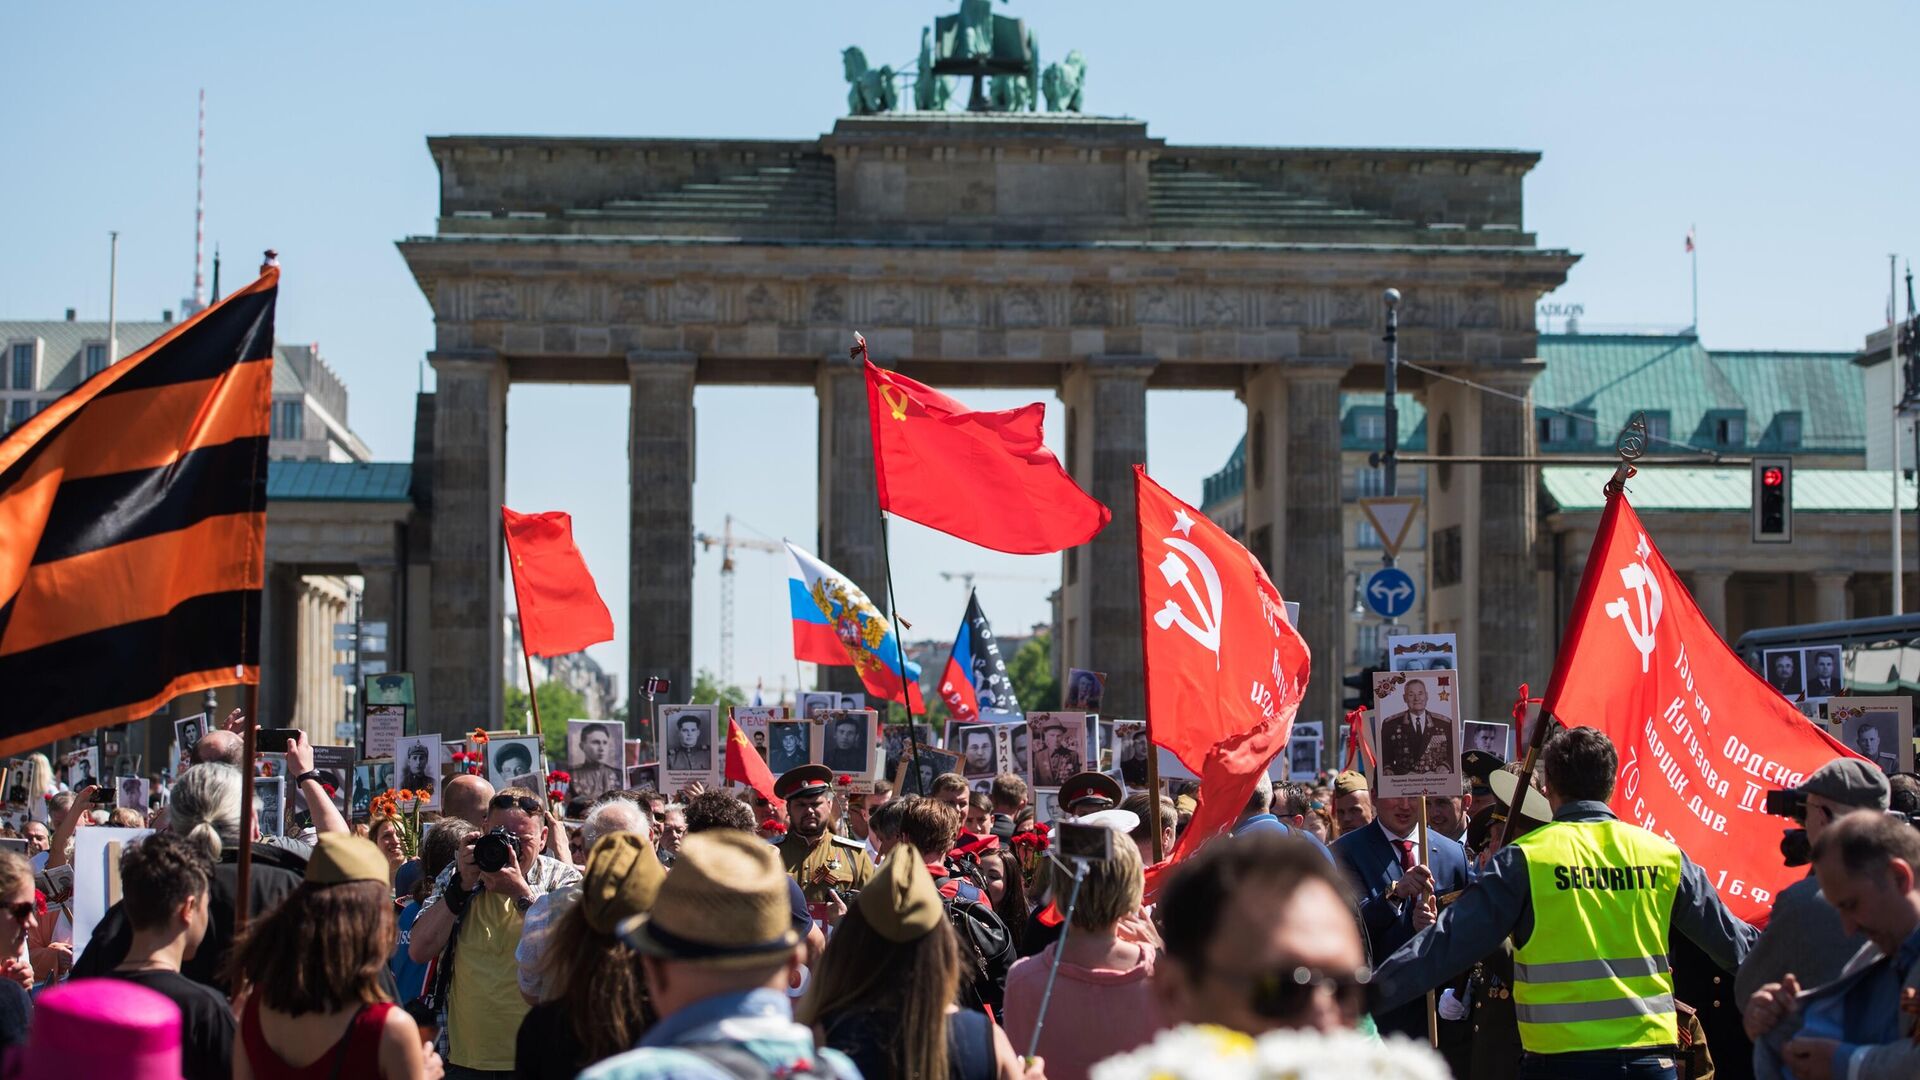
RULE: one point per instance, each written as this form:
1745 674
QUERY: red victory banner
745 765
1225 670
560 609
985 477
1702 737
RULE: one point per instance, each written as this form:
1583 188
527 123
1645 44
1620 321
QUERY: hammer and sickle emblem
1175 570
1637 577
896 400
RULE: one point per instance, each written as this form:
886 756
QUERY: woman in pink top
1102 1001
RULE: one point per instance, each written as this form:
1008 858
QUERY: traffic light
1359 694
1773 500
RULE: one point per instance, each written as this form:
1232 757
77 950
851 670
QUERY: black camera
1796 848
1787 804
495 850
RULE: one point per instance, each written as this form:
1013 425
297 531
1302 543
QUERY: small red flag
560 610
745 765
1702 738
985 477
1225 670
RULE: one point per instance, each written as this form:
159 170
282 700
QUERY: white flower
1215 1053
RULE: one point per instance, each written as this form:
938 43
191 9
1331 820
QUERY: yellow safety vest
1594 975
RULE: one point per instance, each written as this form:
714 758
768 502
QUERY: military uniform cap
802 781
1089 786
1478 765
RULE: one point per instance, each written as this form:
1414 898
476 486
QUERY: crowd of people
818 930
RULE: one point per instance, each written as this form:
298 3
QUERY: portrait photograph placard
418 760
898 742
1423 652
1879 729
1303 757
644 776
1130 751
1781 668
514 761
1085 690
978 751
370 778
390 688
596 757
933 762
186 732
1417 733
1821 666
1058 745
272 793
753 721
131 793
386 725
847 740
789 745
336 764
692 741
812 704
1495 739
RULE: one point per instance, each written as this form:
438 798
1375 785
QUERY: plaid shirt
547 875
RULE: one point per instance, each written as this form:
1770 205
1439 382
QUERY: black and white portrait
1130 753
271 791
417 762
1419 739
1782 669
1489 737
786 745
515 762
976 746
1823 673
1085 689
848 747
596 755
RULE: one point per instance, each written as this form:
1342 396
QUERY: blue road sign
1389 592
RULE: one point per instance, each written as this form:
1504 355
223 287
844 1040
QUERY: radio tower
200 211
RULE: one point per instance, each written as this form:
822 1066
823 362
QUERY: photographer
1804 934
473 922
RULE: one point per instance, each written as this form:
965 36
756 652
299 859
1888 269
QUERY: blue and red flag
834 624
976 674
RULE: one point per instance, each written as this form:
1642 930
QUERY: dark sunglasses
1285 994
22 910
510 802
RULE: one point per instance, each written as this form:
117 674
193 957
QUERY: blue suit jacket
1372 867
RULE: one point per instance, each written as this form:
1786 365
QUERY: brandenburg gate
1050 251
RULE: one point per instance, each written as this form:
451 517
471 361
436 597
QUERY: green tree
1034 680
708 690
559 703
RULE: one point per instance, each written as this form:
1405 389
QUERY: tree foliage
1034 681
708 690
559 703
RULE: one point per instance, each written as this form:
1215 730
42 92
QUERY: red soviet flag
745 765
985 477
1702 738
560 610
1225 670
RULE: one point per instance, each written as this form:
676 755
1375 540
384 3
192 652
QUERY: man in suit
1416 741
1823 680
1855 1027
1783 674
1398 892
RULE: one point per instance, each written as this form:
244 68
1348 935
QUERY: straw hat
726 904
900 901
623 879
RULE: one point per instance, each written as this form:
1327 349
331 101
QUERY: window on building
289 419
1365 535
1786 429
1658 426
1367 647
23 366
1581 427
96 360
1370 481
17 412
1370 426
1553 428
1730 430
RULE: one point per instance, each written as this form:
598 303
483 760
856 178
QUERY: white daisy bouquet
1216 1053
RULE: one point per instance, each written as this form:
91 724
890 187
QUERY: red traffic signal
1773 476
1773 500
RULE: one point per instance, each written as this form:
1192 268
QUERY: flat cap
1850 782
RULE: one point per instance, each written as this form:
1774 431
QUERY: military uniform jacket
829 863
1405 750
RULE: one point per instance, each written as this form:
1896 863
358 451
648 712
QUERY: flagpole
900 649
1893 437
1693 256
244 872
1146 700
520 612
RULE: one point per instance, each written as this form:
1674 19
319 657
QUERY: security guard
818 859
1496 1034
1588 901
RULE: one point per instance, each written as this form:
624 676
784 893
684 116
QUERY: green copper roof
1823 491
339 481
1607 377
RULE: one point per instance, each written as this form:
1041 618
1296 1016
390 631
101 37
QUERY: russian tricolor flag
834 624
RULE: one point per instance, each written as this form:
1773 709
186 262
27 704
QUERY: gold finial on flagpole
1630 445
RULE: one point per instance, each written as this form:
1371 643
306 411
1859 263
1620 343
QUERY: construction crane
726 542
966 578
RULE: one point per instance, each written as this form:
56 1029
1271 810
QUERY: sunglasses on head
512 802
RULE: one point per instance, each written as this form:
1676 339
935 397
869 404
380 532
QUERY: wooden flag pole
1146 707
520 609
1433 1015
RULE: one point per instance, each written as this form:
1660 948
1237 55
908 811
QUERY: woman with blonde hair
1105 969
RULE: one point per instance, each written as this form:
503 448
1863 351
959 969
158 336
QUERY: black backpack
986 948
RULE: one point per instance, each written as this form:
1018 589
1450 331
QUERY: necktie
1405 848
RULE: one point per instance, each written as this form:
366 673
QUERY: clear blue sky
1777 128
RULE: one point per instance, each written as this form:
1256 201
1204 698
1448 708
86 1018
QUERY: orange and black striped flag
133 529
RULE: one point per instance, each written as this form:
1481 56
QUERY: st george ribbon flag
976 674
745 765
985 477
1702 738
560 608
1225 670
133 529
834 624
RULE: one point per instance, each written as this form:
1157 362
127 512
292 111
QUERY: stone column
1106 399
469 483
381 601
660 533
1710 592
1830 595
279 645
1295 525
1508 652
849 539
